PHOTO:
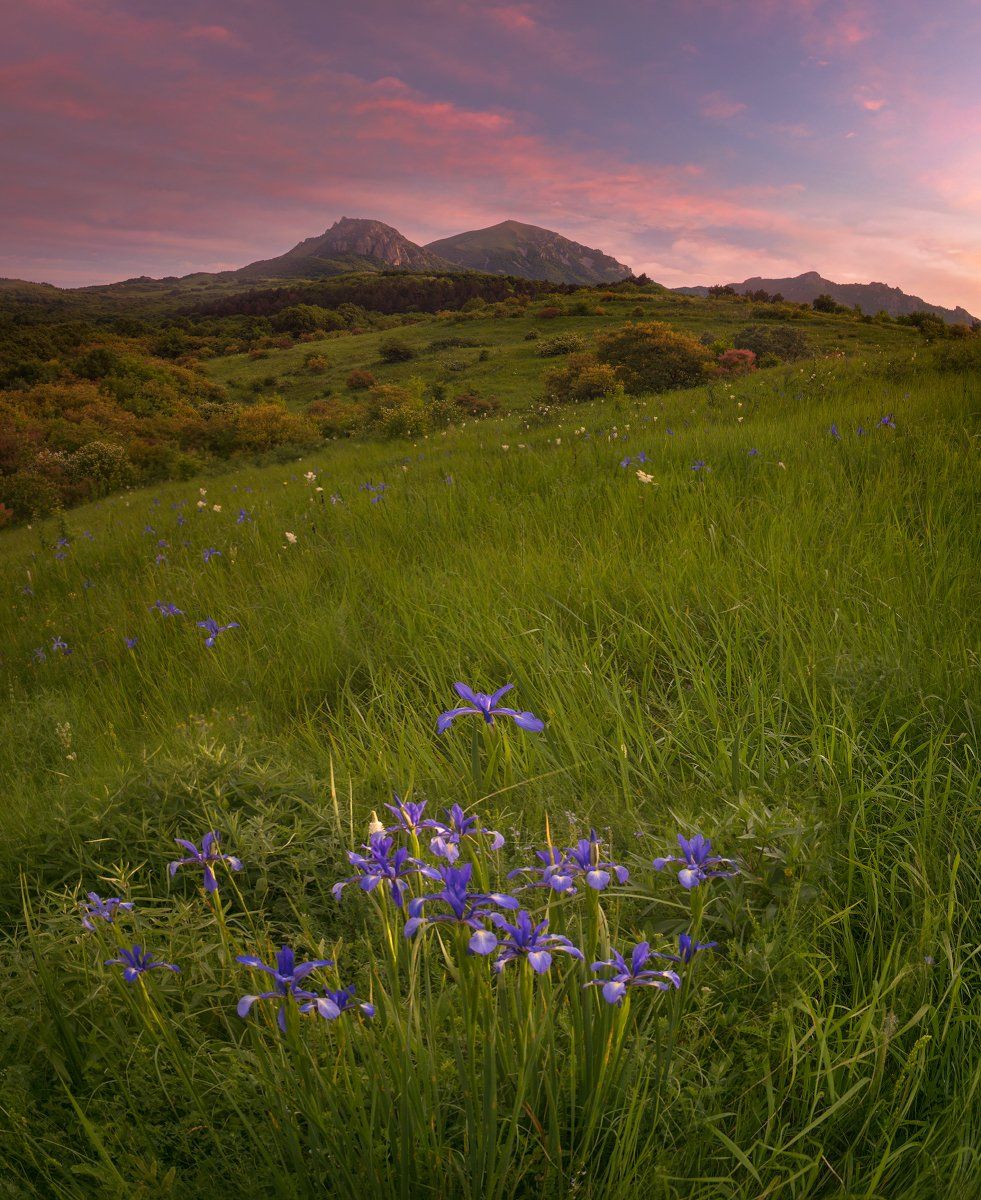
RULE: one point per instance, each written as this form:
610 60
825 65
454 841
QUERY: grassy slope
778 650
513 371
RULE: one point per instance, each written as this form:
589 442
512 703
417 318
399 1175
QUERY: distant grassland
513 370
778 648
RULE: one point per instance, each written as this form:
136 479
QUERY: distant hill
350 244
872 297
529 252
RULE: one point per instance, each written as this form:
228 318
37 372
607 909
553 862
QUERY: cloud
718 107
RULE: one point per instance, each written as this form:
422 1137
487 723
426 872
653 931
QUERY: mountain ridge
871 297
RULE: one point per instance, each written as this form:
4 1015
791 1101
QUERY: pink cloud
718 107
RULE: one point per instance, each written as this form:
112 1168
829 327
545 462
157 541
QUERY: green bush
396 351
579 379
653 357
781 343
564 343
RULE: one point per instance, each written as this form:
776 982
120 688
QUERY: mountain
351 244
529 252
872 297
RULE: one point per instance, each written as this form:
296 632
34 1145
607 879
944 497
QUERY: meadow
746 610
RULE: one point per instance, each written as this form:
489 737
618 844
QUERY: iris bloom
687 949
526 940
887 421
332 1003
61 645
242 517
287 976
632 973
449 834
407 814
211 553
131 642
214 629
480 704
166 610
559 870
466 908
137 962
105 910
697 856
206 857
383 863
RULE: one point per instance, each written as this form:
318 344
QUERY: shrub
579 379
395 351
28 494
959 355
359 381
305 318
783 343
398 411
564 343
653 357
263 426
475 404
737 362
549 312
103 464
316 364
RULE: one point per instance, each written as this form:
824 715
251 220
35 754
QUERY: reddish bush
737 362
361 381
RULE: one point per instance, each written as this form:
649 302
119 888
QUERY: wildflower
181 521
60 555
160 560
137 962
699 465
202 504
206 857
449 834
525 939
469 909
290 537
216 508
131 642
60 645
242 518
214 629
27 590
166 610
211 553
287 976
310 476
335 498
697 855
383 862
644 477
105 910
687 949
39 654
480 704
407 813
753 452
887 422
625 462
148 529
87 535
88 584
333 1002
834 432
549 874
783 466
634 973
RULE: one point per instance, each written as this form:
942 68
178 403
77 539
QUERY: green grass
780 651
512 372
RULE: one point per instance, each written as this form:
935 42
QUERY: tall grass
779 650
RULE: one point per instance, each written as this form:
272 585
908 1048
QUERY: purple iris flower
697 856
687 949
383 862
211 553
860 431
527 940
242 518
60 554
753 452
214 629
181 521
137 962
287 975
39 654
559 870
480 704
407 814
466 908
333 1002
834 432
60 645
104 910
634 973
625 462
887 421
148 529
131 642
457 826
699 465
206 857
164 609
27 590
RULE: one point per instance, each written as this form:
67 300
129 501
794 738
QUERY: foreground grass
779 649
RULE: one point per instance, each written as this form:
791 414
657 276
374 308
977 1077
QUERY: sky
701 141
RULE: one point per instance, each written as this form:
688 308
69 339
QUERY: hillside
870 297
512 248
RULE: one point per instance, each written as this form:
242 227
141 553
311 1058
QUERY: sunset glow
699 142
